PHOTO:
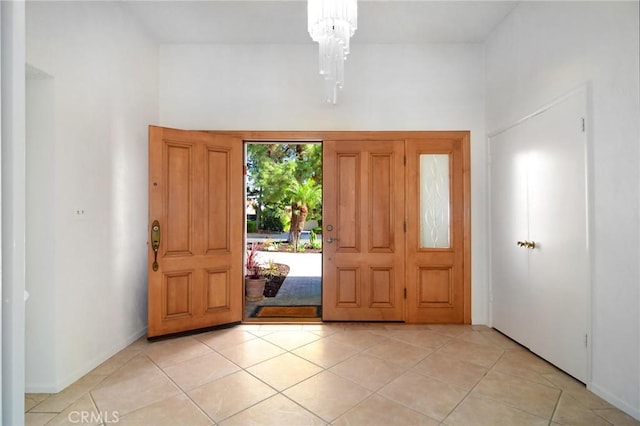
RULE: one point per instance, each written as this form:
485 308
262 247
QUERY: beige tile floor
321 374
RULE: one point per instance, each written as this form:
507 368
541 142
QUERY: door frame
242 137
245 142
308 136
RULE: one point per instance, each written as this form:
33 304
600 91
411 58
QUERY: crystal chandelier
332 23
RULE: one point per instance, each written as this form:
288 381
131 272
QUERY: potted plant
253 281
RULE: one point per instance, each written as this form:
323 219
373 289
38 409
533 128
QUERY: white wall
103 70
12 77
388 87
41 232
539 53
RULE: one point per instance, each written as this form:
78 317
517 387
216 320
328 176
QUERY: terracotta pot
254 288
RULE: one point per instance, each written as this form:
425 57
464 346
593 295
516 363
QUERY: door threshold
282 320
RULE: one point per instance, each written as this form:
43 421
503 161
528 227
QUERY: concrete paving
302 286
274 236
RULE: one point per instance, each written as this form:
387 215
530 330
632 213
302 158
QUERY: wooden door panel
178 164
195 194
382 287
381 230
177 290
218 207
347 212
437 287
363 266
218 290
348 287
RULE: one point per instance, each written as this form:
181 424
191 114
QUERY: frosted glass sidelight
434 201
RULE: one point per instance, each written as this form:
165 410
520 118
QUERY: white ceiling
267 21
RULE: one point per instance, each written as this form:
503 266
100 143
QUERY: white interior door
509 224
559 264
540 294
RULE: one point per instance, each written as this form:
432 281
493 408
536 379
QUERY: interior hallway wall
388 87
542 51
41 229
104 73
12 269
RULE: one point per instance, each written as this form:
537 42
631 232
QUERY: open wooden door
438 229
195 230
363 220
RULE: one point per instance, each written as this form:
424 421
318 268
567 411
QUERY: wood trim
466 182
320 135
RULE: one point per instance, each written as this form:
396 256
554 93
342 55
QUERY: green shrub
251 226
271 220
315 244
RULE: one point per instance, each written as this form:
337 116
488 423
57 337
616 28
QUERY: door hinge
244 169
586 340
405 292
584 126
404 226
404 161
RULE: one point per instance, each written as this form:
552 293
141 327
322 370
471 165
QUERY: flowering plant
253 266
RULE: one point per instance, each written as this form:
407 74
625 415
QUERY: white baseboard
615 401
86 368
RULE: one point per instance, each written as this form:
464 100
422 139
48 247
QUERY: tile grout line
95 405
507 354
474 387
278 392
435 350
183 391
555 407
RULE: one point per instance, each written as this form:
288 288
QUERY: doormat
287 312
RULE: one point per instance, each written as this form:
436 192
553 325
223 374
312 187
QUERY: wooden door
195 195
363 216
438 229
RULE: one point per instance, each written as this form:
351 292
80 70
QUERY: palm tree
304 197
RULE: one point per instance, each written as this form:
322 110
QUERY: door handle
155 242
330 240
526 244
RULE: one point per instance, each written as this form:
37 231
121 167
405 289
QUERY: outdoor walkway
303 285
255 237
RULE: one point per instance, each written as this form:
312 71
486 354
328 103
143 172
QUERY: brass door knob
526 244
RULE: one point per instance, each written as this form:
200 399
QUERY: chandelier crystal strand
332 23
